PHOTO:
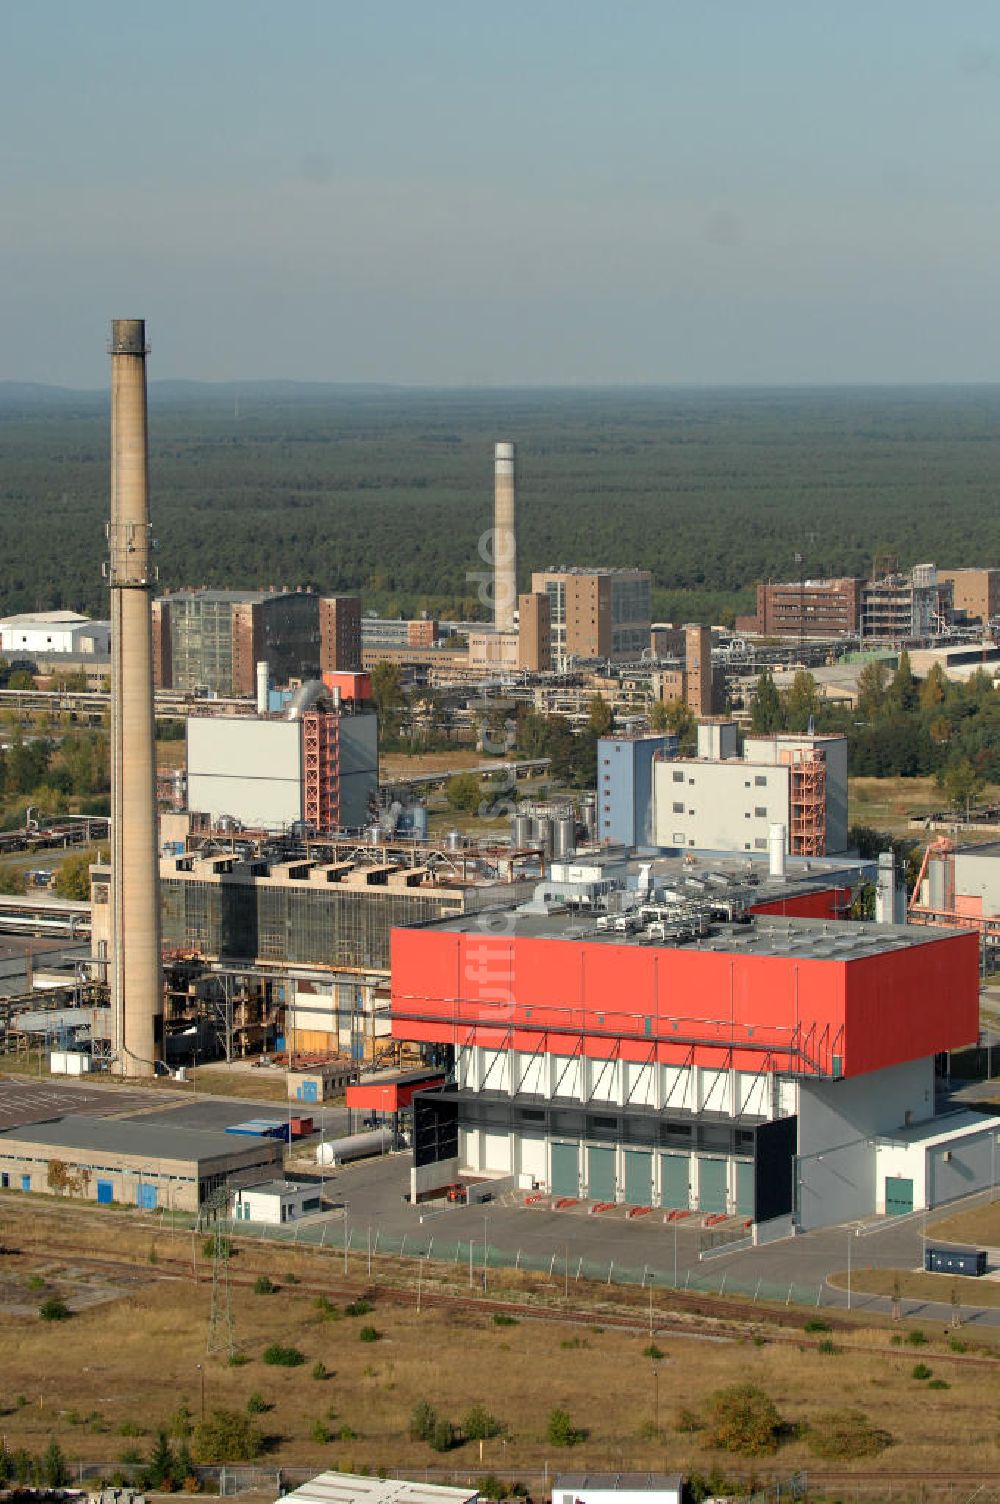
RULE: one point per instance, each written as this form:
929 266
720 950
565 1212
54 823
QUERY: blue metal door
105 1192
675 1191
712 1185
898 1196
744 1189
638 1177
601 1174
146 1197
565 1170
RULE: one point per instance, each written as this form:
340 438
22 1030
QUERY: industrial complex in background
648 994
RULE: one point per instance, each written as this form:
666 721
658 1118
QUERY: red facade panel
748 1012
828 903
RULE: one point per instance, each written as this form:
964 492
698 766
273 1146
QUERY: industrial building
722 801
523 648
340 634
210 641
753 1068
596 612
273 1202
692 680
315 764
131 1161
958 887
52 634
906 606
277 940
618 1488
806 608
625 786
348 1488
976 592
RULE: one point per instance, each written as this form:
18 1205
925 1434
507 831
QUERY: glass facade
201 644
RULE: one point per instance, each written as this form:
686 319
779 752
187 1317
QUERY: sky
456 192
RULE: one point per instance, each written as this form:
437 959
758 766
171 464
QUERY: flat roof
279 1188
349 1488
234 596
943 1129
131 1135
767 935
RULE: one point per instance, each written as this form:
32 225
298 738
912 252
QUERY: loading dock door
674 1181
105 1191
744 1189
898 1196
638 1177
565 1170
146 1197
601 1174
712 1185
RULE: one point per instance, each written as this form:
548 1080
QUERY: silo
520 831
564 836
542 834
420 827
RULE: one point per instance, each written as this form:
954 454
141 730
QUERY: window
760 779
678 777
760 844
678 806
760 810
678 838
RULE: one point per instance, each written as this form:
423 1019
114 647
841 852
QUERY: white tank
262 688
355 1146
776 850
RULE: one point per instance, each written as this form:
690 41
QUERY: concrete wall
978 876
246 768
837 1120
719 803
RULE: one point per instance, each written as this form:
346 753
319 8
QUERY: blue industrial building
625 785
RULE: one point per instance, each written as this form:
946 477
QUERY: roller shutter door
675 1170
601 1174
712 1185
744 1189
565 1170
638 1177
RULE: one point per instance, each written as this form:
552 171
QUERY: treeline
902 726
391 494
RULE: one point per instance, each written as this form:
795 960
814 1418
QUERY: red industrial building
750 1070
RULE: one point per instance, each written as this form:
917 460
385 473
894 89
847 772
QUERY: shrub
35 1282
687 1420
320 1370
358 1308
654 1352
817 1324
827 1346
54 1308
291 1279
743 1419
217 1245
257 1404
347 1434
442 1438
837 1434
500 1318
490 1487
263 1286
181 1422
227 1436
54 1472
326 1308
131 1456
480 1425
957 1345
920 1371
320 1433
560 1430
370 1334
160 1467
237 1360
916 1338
283 1357
129 1428
423 1419
938 1384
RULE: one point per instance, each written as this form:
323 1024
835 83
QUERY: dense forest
389 492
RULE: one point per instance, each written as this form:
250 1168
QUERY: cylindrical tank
262 687
588 812
564 836
454 840
355 1146
542 833
420 826
776 850
373 834
520 831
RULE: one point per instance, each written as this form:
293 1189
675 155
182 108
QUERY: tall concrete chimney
135 968
504 541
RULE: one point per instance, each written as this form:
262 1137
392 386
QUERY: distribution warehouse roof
131 1136
766 935
347 1488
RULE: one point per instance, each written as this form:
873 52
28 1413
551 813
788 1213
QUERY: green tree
227 1436
765 714
871 688
73 875
902 692
560 1430
600 718
801 701
388 697
55 1473
742 1418
161 1464
13 879
962 783
933 690
480 1425
464 793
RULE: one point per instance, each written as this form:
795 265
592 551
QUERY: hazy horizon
447 196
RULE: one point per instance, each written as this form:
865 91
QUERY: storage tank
520 831
542 833
263 687
776 850
420 826
355 1146
564 836
454 841
588 813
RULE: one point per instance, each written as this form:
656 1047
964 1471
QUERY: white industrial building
349 1488
721 801
618 1488
49 632
275 1201
256 769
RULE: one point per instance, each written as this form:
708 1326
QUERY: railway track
698 1317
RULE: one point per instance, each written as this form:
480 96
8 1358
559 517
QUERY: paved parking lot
24 1101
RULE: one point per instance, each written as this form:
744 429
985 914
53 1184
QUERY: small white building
349 1488
936 1161
275 1201
617 1488
55 632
